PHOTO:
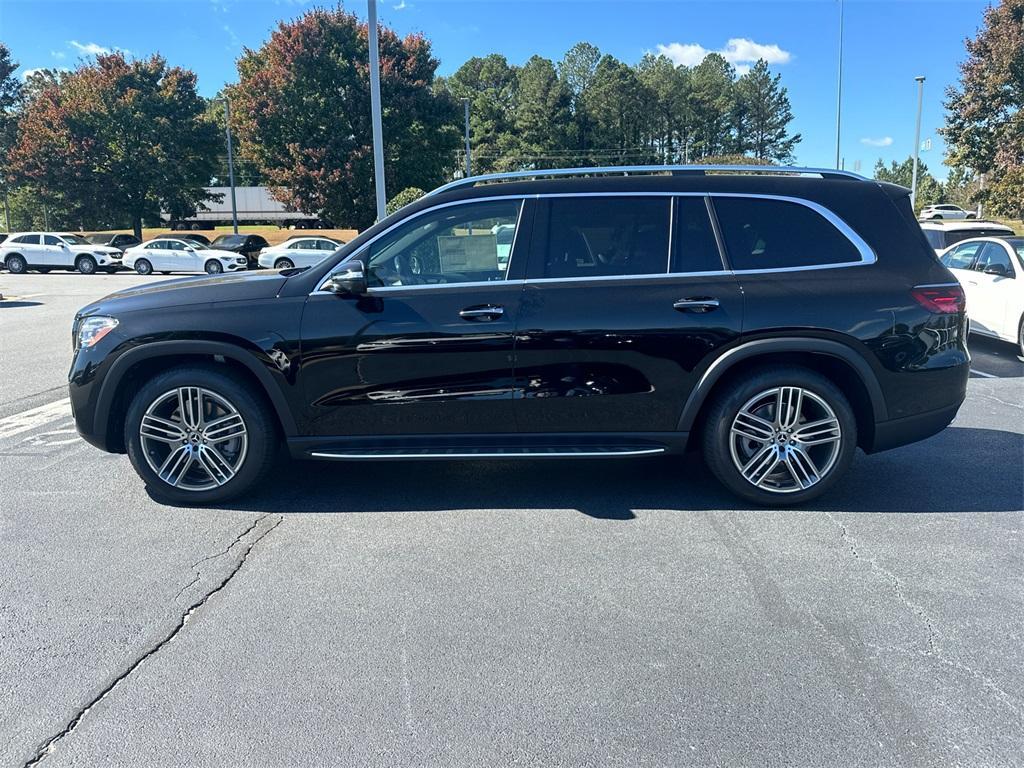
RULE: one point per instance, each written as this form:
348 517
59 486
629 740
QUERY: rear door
617 315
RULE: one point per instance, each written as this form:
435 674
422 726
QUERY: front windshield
75 239
99 239
196 245
229 240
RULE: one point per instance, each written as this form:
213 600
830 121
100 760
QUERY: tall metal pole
469 164
231 164
7 210
839 85
917 140
378 141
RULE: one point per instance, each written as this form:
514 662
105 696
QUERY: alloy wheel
785 440
193 438
214 268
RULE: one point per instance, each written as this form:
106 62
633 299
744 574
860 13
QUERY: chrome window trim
867 254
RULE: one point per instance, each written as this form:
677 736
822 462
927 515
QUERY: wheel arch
142 363
841 364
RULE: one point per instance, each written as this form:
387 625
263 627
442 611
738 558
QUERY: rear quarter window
763 233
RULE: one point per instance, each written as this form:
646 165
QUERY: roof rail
626 170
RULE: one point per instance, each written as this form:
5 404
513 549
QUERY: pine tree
763 116
541 119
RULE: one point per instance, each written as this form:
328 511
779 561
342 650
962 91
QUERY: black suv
774 318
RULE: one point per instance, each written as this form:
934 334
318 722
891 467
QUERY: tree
577 70
301 111
669 121
614 103
490 85
541 115
929 190
116 141
10 95
985 115
403 198
764 115
711 101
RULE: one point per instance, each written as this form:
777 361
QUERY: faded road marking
34 417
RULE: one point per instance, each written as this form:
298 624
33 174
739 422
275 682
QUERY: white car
944 234
991 271
168 255
43 251
946 211
297 252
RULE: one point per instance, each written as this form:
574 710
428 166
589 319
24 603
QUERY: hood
104 249
242 286
220 253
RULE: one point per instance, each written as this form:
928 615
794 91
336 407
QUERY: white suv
991 271
943 234
946 211
43 251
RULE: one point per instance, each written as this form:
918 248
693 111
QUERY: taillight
940 299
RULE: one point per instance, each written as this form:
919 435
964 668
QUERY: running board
517 452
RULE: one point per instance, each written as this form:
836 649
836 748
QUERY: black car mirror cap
996 269
349 281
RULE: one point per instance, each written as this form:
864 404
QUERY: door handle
696 304
485 312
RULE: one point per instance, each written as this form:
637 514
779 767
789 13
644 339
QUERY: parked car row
165 253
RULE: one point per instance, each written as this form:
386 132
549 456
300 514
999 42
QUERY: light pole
231 163
469 164
378 141
839 84
917 140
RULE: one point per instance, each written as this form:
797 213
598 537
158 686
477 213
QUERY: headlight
93 329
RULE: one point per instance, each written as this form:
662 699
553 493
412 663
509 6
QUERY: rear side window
27 239
956 235
695 248
776 234
605 236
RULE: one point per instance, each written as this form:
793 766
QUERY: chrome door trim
488 455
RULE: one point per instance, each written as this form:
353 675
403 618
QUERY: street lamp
839 85
378 142
469 165
917 140
231 162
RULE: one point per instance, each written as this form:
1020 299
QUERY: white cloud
88 49
59 55
401 6
738 51
29 72
885 141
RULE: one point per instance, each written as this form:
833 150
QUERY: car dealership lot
491 613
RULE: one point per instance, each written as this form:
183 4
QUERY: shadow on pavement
959 470
15 303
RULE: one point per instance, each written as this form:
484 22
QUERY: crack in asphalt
228 548
50 745
897 587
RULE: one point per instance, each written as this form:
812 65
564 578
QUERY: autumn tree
117 141
985 114
301 111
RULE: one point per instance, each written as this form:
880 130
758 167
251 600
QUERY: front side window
764 233
51 240
993 255
454 244
604 237
961 257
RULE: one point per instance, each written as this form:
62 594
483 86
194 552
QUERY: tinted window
604 236
775 234
935 239
51 240
27 239
961 257
100 239
695 248
326 245
156 245
455 244
955 236
991 255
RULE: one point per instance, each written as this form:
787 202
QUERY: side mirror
350 281
190 249
996 269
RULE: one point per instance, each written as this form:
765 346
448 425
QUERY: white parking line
983 374
34 417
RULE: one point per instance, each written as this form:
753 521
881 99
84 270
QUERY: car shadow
959 470
14 303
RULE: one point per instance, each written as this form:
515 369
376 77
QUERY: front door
616 318
429 348
993 291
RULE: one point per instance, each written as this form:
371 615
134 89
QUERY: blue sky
886 45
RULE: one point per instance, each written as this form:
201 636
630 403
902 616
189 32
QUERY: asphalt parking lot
529 613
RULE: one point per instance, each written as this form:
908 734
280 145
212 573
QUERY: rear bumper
910 429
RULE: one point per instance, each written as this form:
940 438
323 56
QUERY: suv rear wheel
197 436
780 436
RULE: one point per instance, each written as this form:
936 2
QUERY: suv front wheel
196 435
780 436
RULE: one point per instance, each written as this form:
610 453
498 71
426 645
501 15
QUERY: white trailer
254 204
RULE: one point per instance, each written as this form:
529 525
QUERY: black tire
261 433
143 267
972 215
283 264
213 267
43 270
16 264
1020 337
86 265
164 272
718 437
